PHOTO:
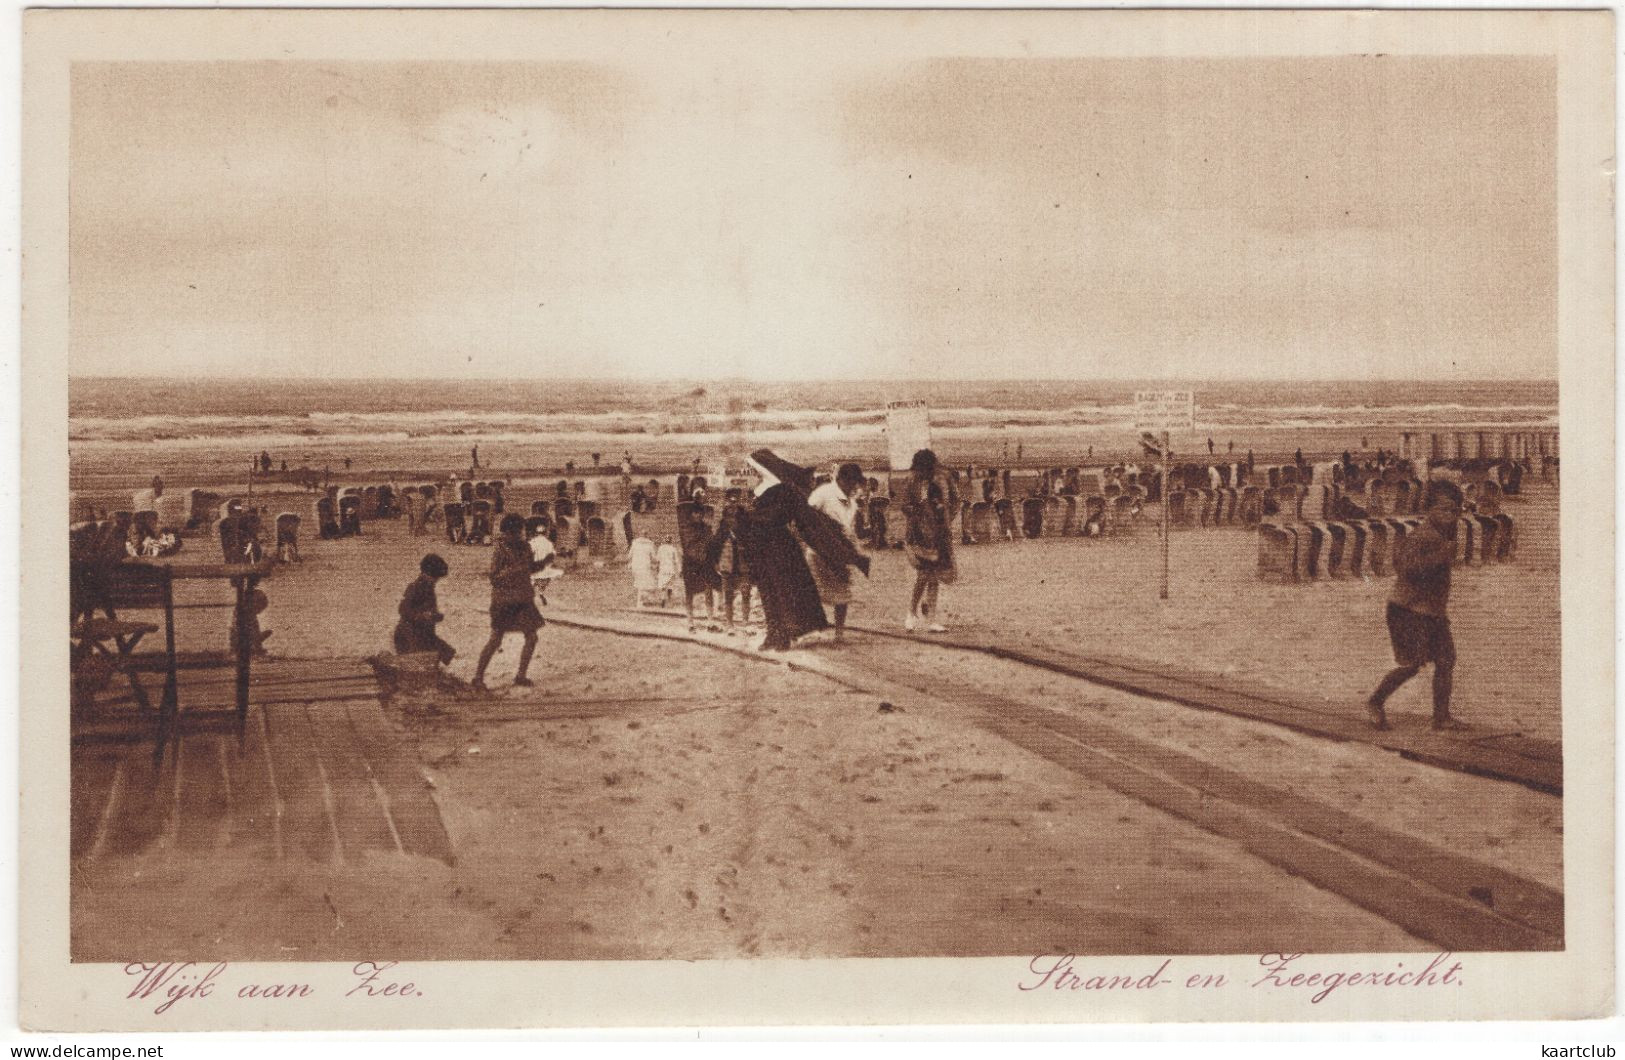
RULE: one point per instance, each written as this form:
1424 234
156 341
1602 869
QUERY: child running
513 600
1418 609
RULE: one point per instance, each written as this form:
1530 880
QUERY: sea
283 413
207 432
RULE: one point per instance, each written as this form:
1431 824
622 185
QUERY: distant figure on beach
1210 447
1297 458
641 557
926 504
626 466
1020 448
1418 620
838 500
777 564
1091 452
596 458
284 465
409 505
1232 448
513 600
474 457
265 461
668 565
1249 461
420 613
346 463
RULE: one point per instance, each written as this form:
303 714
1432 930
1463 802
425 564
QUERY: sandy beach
661 800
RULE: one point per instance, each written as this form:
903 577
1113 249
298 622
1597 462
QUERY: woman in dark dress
777 563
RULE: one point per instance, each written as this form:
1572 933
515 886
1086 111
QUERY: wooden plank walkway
1534 762
315 773
1457 902
1527 760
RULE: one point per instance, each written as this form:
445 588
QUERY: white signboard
731 474
908 430
1164 410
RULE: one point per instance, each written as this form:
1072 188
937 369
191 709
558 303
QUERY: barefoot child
668 563
420 613
731 563
1418 622
513 600
542 555
642 561
700 576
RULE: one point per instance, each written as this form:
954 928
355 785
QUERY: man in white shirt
838 501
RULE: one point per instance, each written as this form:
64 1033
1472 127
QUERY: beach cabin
1054 517
1032 517
480 531
173 511
456 522
600 545
1277 552
287 537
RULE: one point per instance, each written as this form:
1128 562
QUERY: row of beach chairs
1251 505
881 525
1300 552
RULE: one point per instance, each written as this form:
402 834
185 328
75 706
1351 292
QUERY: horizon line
747 380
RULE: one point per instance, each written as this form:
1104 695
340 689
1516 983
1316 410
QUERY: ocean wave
292 431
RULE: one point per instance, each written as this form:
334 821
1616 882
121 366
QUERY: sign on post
908 430
731 474
1162 411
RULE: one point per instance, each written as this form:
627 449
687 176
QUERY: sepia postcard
665 518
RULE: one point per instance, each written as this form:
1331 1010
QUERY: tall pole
1164 515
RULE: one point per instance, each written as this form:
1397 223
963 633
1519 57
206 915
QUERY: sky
773 217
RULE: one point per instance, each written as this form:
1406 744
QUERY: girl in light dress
644 583
668 565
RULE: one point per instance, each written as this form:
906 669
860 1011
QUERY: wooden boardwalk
1529 760
1457 902
316 773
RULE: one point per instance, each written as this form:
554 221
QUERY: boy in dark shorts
700 577
731 563
513 599
1418 623
420 613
